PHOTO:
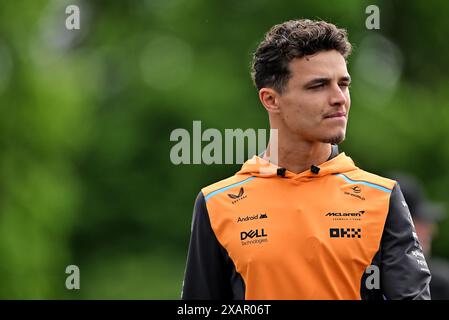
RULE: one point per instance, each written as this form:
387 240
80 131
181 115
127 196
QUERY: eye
321 85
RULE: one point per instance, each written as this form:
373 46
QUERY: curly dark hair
289 40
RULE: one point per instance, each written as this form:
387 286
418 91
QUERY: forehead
328 64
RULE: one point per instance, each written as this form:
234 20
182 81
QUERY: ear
270 99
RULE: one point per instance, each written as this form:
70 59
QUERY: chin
335 139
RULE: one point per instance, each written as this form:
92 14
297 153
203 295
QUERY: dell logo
253 234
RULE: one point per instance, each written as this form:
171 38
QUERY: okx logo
237 197
255 236
345 232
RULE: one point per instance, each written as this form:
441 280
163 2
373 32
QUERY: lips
336 115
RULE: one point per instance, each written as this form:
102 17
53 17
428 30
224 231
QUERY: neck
298 155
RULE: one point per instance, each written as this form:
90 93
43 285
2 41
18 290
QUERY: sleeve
207 269
404 270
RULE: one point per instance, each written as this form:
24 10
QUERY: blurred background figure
426 215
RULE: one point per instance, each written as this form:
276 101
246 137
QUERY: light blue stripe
228 187
364 183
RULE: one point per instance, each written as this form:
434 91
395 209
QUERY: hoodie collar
337 163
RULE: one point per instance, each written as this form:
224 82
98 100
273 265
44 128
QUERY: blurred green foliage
86 115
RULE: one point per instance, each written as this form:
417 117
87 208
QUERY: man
426 215
309 224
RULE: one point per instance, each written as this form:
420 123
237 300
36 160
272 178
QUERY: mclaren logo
237 197
346 215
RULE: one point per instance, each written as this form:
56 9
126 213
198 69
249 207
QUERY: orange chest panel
310 240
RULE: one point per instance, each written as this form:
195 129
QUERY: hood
259 167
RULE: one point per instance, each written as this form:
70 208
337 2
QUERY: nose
337 97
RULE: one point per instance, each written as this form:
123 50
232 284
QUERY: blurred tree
86 115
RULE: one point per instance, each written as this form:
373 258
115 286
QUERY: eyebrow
325 80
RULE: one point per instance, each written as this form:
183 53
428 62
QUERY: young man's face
315 102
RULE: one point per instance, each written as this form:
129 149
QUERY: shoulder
370 179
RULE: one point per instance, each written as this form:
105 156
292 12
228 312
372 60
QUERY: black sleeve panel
209 273
404 271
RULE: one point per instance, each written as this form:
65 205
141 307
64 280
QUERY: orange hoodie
266 233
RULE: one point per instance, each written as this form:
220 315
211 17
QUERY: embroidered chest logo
356 192
237 197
